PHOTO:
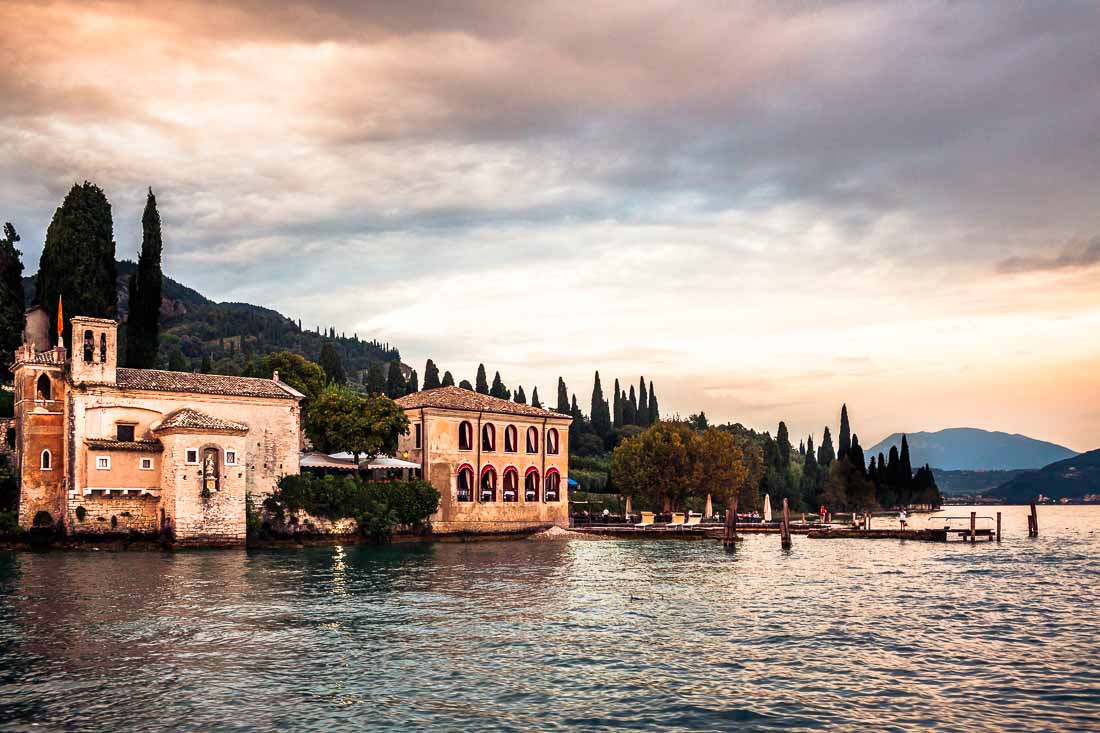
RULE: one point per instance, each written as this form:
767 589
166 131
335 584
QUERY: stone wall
130 512
195 519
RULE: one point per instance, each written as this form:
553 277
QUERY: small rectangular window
103 463
125 432
231 458
192 455
146 464
417 437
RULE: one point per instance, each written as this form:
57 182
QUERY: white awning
378 462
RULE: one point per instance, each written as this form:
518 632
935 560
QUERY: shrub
9 524
9 492
81 512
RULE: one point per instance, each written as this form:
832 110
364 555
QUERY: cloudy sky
766 208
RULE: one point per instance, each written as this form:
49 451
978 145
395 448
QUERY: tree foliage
395 381
431 375
332 364
11 298
482 381
342 420
294 369
143 319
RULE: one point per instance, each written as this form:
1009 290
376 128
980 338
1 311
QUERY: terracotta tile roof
91 319
136 446
456 398
186 418
162 381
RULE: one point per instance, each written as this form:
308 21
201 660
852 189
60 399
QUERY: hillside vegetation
1072 478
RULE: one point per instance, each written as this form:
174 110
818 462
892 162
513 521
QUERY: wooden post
729 539
785 529
973 521
1033 522
998 526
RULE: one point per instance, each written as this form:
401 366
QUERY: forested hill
229 334
1072 478
977 450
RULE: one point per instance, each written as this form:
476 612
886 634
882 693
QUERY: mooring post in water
730 537
1033 522
998 526
973 522
785 529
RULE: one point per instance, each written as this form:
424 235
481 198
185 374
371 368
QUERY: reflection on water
844 634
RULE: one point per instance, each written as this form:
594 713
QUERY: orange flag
60 321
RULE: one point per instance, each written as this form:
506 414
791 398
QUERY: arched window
510 490
465 484
552 441
102 348
43 387
488 484
465 436
488 438
553 484
47 461
89 346
532 439
209 471
511 439
531 485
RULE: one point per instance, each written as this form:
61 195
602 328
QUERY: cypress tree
906 466
431 375
855 455
601 419
563 398
535 398
498 389
205 366
801 448
825 454
448 380
143 321
520 397
617 410
630 408
413 384
482 381
177 362
642 409
845 434
12 314
78 259
376 379
330 362
783 445
811 478
465 384
893 468
395 381
880 475
654 411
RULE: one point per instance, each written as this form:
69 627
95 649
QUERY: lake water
563 635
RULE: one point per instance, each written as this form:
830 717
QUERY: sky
769 209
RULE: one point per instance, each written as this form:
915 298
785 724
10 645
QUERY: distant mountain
231 334
973 449
1072 478
971 483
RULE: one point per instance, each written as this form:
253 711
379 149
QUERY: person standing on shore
901 519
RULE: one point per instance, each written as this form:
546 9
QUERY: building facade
105 449
498 466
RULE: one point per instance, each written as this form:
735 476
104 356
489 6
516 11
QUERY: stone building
106 449
499 466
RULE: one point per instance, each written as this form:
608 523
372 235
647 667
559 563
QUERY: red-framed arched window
488 484
511 439
552 441
510 486
532 439
488 438
465 482
465 435
553 484
531 484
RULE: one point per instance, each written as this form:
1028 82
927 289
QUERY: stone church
103 449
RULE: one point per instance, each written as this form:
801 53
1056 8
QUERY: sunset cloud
833 201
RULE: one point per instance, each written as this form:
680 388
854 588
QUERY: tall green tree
143 321
177 362
431 376
642 410
448 380
341 420
331 363
563 398
906 466
825 454
654 410
482 381
783 444
78 259
498 389
413 384
465 384
294 370
845 444
395 381
601 417
630 408
12 315
520 397
617 407
855 455
376 379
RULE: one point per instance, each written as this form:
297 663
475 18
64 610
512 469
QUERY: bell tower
95 350
40 399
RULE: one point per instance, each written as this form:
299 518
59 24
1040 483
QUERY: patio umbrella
767 508
628 510
709 511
